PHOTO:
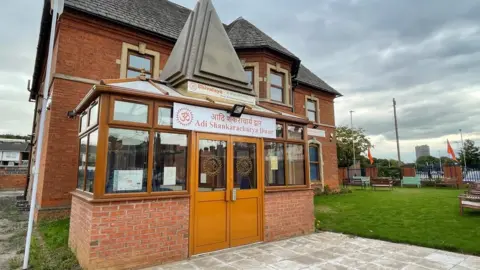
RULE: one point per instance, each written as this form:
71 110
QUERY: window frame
111 113
79 144
319 145
279 87
317 108
157 106
131 52
252 70
285 141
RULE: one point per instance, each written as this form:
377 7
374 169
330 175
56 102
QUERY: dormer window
277 87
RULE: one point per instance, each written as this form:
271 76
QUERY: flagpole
464 154
57 7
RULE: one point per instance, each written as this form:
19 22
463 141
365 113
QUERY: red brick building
99 40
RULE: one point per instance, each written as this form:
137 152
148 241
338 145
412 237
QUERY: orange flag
370 156
450 151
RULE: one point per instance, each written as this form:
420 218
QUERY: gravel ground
13 226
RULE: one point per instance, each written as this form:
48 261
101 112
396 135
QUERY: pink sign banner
202 119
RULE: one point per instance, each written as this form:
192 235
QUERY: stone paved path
329 251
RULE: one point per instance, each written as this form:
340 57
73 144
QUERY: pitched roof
157 16
307 77
164 18
244 34
14 146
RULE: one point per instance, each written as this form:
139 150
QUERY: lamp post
353 141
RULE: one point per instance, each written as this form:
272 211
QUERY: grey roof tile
14 146
307 77
167 19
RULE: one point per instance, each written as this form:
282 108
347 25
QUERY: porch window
130 112
91 160
295 132
93 119
139 62
169 162
83 122
82 162
277 86
165 116
274 164
285 158
296 164
127 161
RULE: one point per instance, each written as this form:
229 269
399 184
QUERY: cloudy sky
426 54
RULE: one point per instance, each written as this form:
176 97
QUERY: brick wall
288 214
90 49
13 181
134 234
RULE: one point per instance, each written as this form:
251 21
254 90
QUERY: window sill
275 102
88 198
286 189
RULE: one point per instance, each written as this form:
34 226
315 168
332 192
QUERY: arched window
315 161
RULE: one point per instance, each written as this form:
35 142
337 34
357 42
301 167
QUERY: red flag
370 156
450 151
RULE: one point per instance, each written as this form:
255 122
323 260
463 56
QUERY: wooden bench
473 189
358 181
448 182
411 181
469 201
381 182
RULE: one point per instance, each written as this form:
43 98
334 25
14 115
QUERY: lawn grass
49 249
425 217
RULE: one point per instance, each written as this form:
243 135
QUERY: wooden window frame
150 117
280 87
285 141
317 108
80 138
146 56
157 106
106 110
295 125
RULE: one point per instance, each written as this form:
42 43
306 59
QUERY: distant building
14 152
422 151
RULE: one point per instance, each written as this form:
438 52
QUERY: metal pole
396 131
440 161
464 154
56 6
353 141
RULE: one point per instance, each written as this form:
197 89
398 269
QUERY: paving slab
330 251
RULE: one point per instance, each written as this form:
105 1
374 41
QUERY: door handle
234 194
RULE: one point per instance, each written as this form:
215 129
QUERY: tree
14 136
427 161
448 161
472 154
344 136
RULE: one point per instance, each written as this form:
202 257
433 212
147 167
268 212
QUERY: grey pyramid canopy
204 54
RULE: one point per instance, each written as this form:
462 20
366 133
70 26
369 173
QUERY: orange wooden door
228 203
246 208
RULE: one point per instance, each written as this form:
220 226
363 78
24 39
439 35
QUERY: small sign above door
217 121
316 132
207 90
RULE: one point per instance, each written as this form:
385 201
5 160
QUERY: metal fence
434 174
